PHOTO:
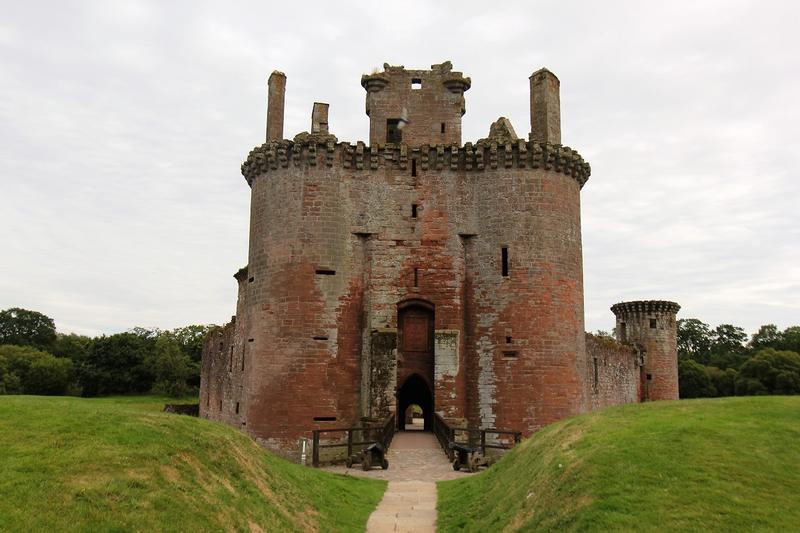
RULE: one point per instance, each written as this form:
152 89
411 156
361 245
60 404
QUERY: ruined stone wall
431 102
613 372
222 370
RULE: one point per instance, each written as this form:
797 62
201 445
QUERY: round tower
651 326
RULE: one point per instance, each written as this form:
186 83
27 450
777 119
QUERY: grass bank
728 464
119 464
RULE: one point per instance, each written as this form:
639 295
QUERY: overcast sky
123 126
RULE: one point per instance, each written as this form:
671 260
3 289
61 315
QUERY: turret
415 107
650 325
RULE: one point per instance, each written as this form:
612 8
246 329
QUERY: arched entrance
415 360
415 392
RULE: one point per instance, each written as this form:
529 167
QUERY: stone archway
415 359
415 391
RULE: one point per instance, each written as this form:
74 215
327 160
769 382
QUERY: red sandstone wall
347 209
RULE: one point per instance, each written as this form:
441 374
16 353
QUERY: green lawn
728 464
119 464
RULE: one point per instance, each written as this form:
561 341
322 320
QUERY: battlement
322 149
645 306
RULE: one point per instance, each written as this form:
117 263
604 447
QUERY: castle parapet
322 149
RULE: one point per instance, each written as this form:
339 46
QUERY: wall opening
652 323
415 347
509 340
393 132
325 272
413 168
321 338
324 419
504 261
509 354
416 84
413 210
237 408
596 372
230 363
414 418
251 279
442 127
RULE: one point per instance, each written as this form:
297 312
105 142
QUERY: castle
417 270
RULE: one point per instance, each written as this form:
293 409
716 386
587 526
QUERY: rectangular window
442 127
509 340
413 210
413 168
237 408
416 83
325 272
324 419
510 355
393 132
320 338
416 277
504 260
652 323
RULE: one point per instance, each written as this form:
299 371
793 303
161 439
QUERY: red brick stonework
414 270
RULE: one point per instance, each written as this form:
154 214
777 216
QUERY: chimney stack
319 118
545 107
275 103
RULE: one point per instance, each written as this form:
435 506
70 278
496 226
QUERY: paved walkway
416 463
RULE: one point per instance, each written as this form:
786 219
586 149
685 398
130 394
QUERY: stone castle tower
415 270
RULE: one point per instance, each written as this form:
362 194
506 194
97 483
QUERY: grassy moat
120 464
728 464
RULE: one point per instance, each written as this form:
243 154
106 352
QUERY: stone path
416 463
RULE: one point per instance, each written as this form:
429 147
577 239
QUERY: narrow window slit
251 279
442 127
324 419
652 323
414 168
510 354
325 272
416 277
237 408
321 338
504 258
413 210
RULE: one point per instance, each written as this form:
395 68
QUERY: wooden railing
499 439
353 437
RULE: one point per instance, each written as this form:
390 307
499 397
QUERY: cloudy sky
123 126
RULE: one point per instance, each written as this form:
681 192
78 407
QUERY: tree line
36 359
723 361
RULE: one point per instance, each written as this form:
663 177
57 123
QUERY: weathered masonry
419 271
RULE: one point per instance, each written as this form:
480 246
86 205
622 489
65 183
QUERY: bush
26 370
693 380
170 366
770 371
723 380
116 364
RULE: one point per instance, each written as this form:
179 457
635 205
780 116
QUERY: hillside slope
720 464
72 464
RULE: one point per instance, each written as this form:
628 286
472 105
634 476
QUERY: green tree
36 371
694 339
727 338
723 380
770 371
28 328
72 346
767 336
170 366
791 339
116 364
693 380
